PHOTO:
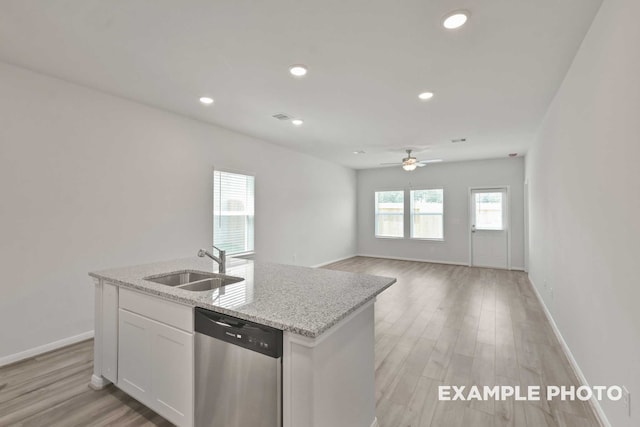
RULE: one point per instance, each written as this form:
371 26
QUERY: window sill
389 237
427 239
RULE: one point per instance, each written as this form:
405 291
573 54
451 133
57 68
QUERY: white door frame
507 216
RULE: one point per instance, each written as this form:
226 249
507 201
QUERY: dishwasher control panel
253 336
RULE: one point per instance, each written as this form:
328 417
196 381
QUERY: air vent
455 141
281 116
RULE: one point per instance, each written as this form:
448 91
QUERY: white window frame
375 214
411 215
255 214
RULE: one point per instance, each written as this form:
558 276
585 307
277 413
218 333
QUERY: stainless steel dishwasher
238 372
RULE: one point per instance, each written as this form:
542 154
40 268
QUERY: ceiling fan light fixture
409 166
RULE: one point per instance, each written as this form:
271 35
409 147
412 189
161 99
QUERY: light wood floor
438 325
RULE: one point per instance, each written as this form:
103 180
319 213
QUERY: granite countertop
302 300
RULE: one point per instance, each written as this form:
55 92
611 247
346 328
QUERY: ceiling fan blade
421 165
424 162
394 163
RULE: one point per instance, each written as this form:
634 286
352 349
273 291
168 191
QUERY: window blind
233 212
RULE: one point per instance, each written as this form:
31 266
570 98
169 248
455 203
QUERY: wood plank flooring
455 325
439 324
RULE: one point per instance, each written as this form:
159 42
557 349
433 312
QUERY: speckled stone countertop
306 301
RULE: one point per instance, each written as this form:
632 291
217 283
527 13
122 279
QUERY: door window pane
488 211
427 212
389 214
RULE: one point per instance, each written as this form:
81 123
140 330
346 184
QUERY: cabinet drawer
154 307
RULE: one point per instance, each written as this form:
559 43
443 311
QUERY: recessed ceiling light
298 70
425 95
297 122
206 100
358 152
455 19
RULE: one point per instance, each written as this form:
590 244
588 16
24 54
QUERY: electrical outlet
626 400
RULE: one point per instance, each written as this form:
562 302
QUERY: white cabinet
155 359
172 373
134 355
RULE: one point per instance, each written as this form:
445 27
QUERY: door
489 228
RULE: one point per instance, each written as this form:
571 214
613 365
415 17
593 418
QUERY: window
489 214
233 212
427 211
389 214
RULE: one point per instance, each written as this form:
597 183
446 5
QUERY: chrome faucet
222 269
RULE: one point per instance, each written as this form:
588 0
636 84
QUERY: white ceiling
367 59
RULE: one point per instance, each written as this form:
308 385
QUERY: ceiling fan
409 163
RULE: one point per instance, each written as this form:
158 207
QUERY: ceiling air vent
281 116
455 141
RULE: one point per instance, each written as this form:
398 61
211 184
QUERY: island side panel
110 332
105 344
330 380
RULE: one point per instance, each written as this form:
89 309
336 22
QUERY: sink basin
194 281
211 283
177 279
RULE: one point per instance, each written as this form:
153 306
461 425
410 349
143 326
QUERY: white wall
90 181
584 203
456 178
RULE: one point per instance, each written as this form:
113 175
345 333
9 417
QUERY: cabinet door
172 374
134 355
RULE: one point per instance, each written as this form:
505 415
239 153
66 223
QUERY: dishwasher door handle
227 325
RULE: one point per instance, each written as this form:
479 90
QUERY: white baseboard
595 404
331 262
463 263
375 422
12 358
98 383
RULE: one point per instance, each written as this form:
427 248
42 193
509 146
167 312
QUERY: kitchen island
144 335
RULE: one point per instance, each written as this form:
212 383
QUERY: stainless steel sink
194 281
177 279
212 283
